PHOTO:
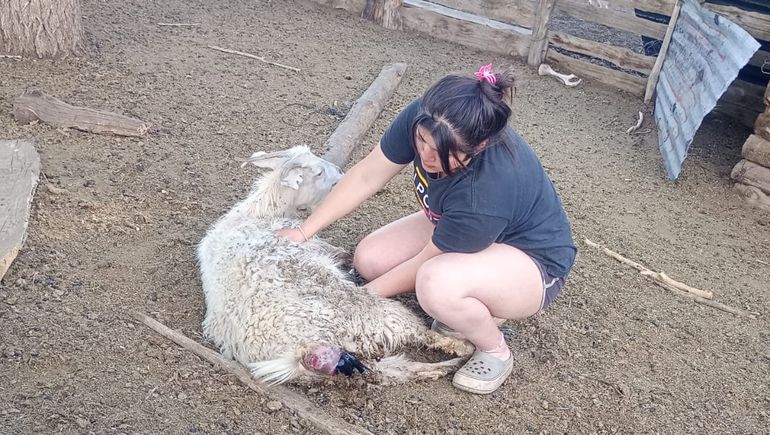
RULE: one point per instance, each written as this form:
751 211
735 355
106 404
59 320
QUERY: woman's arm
402 278
362 181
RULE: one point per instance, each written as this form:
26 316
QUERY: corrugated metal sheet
704 57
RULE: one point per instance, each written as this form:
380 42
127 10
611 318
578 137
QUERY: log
750 173
539 43
37 106
519 12
663 7
757 150
297 403
652 80
384 13
620 56
762 125
756 23
673 286
19 173
753 196
466 29
362 115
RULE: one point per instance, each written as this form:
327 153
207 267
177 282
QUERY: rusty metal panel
704 57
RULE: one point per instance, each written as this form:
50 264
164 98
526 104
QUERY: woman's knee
433 286
366 261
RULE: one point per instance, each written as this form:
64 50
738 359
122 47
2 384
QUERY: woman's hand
294 234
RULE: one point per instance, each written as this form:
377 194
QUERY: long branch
297 403
697 295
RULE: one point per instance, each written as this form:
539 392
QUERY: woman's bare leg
465 291
391 245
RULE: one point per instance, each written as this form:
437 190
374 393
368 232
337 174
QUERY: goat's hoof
452 346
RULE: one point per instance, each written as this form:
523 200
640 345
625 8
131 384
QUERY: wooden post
539 44
384 13
19 172
362 115
652 81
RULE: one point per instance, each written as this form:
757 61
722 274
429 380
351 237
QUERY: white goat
286 310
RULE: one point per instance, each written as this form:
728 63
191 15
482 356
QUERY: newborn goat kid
286 310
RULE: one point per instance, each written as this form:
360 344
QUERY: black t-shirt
502 196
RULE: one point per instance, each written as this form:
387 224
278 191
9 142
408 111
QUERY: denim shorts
551 284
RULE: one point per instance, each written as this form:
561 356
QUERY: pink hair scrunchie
485 73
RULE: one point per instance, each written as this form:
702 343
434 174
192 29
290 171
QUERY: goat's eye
319 172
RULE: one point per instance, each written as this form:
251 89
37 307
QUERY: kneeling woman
492 240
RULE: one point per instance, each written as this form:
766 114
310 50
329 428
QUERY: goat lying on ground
287 310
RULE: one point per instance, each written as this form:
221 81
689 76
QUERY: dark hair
462 112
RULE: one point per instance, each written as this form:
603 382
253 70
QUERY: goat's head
299 179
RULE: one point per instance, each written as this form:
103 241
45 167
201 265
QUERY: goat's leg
452 346
399 369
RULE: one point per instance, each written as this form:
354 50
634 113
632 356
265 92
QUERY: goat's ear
292 177
265 160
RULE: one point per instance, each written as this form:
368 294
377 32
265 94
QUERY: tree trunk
42 28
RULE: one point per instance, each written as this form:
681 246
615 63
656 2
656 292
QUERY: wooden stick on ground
652 80
362 115
658 277
37 106
297 403
179 24
662 280
249 55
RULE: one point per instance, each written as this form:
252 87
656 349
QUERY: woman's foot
484 373
486 370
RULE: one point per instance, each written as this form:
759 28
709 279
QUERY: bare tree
42 28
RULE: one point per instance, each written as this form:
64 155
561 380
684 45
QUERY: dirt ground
118 231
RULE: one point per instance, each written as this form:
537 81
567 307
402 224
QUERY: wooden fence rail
522 28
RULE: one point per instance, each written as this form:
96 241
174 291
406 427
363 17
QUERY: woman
492 240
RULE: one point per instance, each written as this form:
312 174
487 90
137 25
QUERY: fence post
383 12
539 44
652 80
